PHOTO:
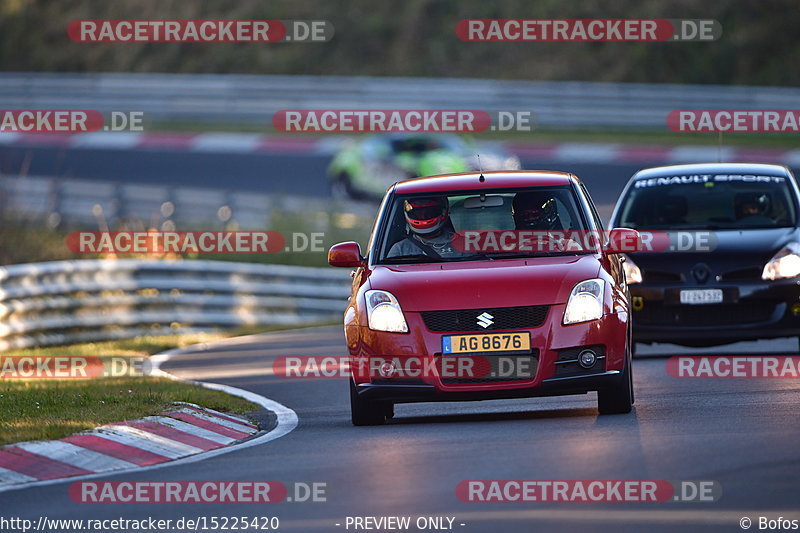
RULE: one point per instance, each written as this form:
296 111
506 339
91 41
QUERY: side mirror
623 240
345 254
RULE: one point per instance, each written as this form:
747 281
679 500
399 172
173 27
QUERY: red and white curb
182 434
327 145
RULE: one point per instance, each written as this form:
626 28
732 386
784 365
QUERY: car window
722 201
474 212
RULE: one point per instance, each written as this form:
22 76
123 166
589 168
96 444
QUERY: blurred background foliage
759 45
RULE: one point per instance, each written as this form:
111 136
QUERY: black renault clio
731 271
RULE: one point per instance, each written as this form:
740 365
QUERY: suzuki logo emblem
485 320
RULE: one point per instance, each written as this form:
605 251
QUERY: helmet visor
424 213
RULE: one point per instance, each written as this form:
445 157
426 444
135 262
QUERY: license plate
487 342
701 296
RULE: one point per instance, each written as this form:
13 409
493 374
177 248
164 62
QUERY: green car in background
365 167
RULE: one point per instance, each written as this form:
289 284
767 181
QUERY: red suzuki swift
487 286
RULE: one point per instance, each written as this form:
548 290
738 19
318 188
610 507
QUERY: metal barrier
254 99
84 203
63 302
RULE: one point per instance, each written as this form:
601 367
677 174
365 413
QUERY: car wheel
366 412
618 400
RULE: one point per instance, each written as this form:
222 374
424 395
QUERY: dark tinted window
718 201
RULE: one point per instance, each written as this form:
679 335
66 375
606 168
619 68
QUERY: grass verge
56 408
52 409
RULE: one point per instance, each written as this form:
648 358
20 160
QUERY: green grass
52 409
56 408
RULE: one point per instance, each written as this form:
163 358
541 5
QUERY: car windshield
709 201
467 225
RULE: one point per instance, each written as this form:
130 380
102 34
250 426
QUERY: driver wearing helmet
751 205
430 231
535 211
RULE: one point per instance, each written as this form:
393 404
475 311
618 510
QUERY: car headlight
384 313
785 264
632 272
585 302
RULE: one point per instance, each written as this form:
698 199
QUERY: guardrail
254 99
85 203
63 302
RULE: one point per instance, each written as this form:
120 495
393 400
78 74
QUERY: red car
469 292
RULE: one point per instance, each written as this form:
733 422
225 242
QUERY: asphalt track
741 433
286 173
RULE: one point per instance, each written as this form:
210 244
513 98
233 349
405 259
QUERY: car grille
751 311
659 276
518 367
530 316
745 274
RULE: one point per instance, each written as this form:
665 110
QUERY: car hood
474 284
735 254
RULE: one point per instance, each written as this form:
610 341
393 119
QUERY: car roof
713 168
492 180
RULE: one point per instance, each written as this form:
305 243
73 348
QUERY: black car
731 269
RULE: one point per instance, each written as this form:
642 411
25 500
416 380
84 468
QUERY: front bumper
749 311
556 348
421 392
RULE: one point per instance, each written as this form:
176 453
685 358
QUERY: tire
367 412
618 400
632 348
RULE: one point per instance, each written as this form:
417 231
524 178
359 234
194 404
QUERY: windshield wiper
411 258
422 258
